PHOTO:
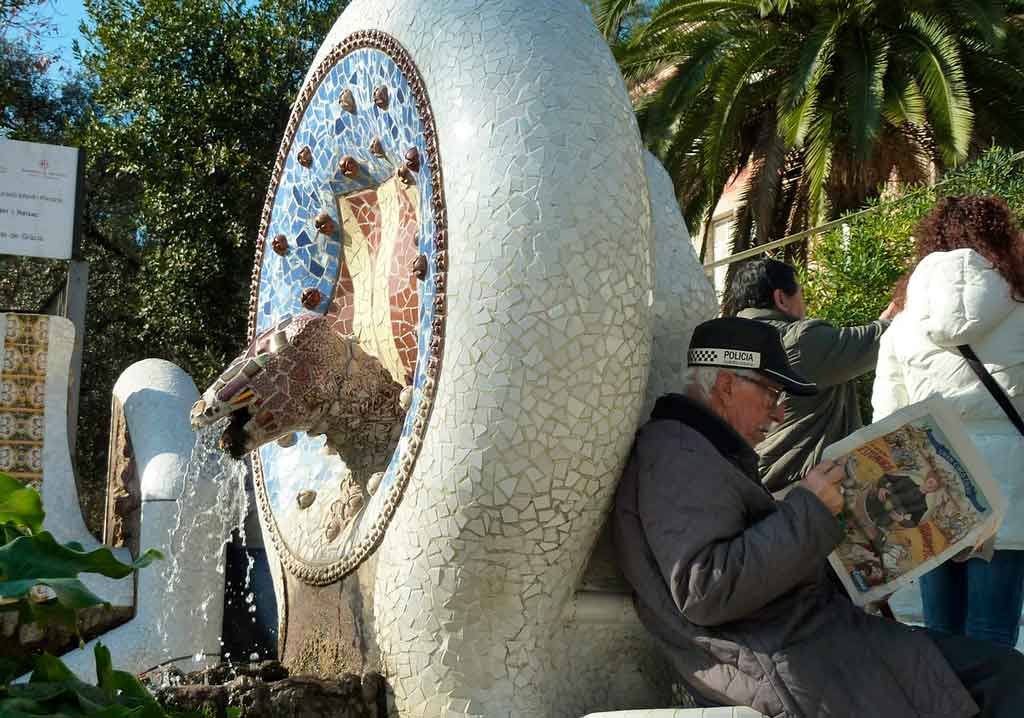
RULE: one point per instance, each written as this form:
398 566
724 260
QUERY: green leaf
40 556
53 690
903 100
940 76
50 669
104 671
865 61
20 504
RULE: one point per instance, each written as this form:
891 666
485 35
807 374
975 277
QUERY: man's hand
823 481
889 313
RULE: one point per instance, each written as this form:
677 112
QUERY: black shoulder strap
993 388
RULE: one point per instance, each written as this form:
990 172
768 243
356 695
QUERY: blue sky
67 14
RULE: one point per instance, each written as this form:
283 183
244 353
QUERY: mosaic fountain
453 302
470 282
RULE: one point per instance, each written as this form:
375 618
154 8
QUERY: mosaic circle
353 229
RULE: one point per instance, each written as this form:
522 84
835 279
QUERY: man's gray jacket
832 357
733 585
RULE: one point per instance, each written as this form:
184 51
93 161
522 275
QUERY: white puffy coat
956 298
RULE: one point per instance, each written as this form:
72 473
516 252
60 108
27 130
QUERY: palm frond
767 7
799 94
903 99
865 61
988 18
641 61
732 81
818 163
755 213
609 15
940 75
684 13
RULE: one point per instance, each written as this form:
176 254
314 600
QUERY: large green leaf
38 560
20 504
40 556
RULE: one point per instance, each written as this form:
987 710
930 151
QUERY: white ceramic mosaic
551 300
547 341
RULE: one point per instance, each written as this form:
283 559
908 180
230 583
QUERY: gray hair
698 381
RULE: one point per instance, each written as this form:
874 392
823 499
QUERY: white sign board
37 199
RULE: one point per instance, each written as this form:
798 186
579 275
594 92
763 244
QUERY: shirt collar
766 314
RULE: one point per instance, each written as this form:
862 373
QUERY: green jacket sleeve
830 355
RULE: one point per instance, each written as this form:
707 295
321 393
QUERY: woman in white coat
967 288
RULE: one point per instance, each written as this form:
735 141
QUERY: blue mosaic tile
314 259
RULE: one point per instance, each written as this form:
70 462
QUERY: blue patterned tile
314 260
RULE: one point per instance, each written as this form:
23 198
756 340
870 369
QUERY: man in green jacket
832 357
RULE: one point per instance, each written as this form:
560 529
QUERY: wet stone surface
265 690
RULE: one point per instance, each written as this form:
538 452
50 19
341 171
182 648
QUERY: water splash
213 504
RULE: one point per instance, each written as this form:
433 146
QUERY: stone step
737 712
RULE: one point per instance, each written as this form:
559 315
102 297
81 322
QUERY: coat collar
766 315
701 418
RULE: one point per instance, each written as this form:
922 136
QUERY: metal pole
74 309
75 294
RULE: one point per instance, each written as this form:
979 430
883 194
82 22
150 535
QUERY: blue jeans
975 598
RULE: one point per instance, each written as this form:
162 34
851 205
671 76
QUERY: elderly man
733 584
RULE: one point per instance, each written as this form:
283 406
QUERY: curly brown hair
984 224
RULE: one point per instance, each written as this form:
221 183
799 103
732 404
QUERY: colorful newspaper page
916 493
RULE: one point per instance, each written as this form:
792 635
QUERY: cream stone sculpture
463 197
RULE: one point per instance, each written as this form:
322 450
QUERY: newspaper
916 493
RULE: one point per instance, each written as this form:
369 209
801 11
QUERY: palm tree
824 100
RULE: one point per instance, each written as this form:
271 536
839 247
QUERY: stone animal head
302 375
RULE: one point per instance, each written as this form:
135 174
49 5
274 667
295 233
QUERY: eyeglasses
773 393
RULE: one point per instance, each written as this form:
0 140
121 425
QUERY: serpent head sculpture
463 206
304 375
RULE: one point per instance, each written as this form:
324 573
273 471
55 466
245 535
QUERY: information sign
38 192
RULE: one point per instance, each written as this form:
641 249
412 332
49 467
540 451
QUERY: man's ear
723 383
781 300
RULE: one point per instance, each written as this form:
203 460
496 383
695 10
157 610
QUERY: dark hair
984 224
754 283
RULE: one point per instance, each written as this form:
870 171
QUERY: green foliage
31 559
53 690
850 281
823 100
38 560
192 99
21 507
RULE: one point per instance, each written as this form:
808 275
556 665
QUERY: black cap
735 343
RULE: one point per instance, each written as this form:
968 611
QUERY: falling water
213 504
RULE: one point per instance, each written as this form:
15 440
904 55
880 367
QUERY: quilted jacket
733 585
958 298
832 357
